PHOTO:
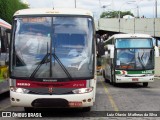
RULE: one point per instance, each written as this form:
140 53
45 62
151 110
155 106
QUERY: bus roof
4 24
56 11
130 36
136 35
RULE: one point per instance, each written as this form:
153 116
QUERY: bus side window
3 42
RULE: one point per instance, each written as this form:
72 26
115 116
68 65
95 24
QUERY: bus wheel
86 109
107 80
145 84
28 109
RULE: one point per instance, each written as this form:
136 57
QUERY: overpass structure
149 26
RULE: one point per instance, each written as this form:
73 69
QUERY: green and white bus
129 58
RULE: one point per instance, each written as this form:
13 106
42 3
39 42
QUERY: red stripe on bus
35 84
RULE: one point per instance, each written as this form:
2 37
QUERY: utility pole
137 11
75 3
155 8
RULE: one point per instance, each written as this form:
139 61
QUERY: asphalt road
123 98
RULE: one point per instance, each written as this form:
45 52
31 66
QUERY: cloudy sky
145 7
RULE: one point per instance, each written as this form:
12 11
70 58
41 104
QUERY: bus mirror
111 48
156 51
112 53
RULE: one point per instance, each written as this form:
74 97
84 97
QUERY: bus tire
28 109
107 80
104 76
86 109
145 84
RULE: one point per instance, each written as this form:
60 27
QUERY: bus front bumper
133 79
51 101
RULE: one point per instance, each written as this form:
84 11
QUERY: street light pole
75 3
155 16
155 8
119 14
137 7
129 2
137 11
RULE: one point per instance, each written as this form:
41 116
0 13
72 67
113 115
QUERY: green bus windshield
134 43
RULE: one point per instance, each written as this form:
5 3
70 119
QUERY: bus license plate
75 104
135 79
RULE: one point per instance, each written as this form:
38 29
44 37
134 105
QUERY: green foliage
9 7
115 14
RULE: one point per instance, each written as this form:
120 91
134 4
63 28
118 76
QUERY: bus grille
50 103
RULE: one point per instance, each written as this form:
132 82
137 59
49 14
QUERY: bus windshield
135 59
53 47
134 43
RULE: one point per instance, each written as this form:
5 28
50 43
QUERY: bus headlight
82 90
19 90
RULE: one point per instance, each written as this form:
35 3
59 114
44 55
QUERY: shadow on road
125 85
129 85
4 95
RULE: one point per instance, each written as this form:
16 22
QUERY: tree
115 14
9 7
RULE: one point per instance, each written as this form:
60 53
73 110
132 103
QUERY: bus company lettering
24 84
147 72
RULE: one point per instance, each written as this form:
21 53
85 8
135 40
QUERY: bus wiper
40 64
141 61
44 61
62 66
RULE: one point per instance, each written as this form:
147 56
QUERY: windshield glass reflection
135 59
46 47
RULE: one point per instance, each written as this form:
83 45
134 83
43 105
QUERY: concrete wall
109 24
157 66
137 25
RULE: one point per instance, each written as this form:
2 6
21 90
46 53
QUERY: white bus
129 58
4 56
53 59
